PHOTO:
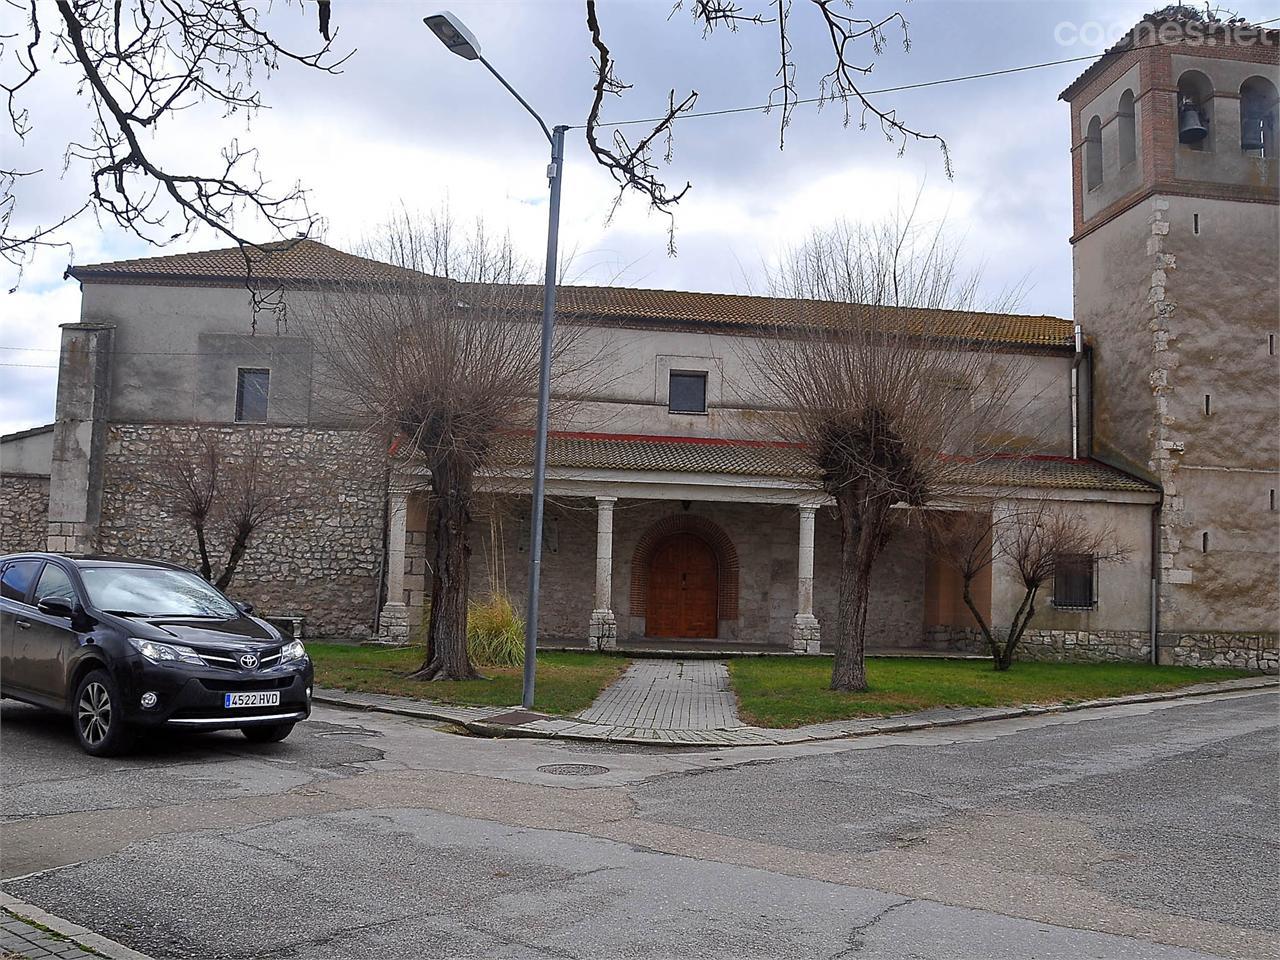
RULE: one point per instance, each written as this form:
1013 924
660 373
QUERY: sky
408 125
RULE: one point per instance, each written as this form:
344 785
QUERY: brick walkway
28 932
668 695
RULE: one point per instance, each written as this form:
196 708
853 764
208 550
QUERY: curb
478 720
77 934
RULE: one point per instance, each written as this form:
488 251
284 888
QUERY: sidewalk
514 722
29 932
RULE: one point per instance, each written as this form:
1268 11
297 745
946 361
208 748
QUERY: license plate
268 698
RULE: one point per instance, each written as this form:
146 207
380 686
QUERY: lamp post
454 34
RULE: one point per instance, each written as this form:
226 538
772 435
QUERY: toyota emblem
248 661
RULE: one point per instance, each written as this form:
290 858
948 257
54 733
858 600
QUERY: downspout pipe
1155 580
1075 392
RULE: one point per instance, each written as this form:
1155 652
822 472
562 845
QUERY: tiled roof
622 304
1173 14
746 458
287 261
310 262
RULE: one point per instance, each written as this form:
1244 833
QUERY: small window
252 387
1073 581
1204 542
1093 154
17 578
1126 121
688 392
54 584
1195 224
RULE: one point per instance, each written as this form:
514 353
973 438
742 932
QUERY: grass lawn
567 682
779 692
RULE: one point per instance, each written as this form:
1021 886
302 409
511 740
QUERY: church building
671 521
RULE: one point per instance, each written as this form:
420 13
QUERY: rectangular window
1073 581
688 392
252 387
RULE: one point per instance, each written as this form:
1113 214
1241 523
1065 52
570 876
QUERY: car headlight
165 652
293 650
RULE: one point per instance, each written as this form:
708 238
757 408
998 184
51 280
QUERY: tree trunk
238 547
448 658
862 520
1026 610
206 568
982 622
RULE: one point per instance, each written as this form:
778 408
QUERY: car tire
98 717
267 732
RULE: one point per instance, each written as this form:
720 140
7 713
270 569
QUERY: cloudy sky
407 123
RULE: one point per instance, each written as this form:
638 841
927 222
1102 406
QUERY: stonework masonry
323 565
24 512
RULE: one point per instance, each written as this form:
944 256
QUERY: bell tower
1175 246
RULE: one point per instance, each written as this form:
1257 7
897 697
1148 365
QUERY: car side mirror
56 607
243 607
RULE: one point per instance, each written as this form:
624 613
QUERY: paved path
668 695
498 722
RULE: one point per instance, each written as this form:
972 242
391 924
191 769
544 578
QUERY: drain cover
574 769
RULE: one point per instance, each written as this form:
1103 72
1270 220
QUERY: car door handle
23 624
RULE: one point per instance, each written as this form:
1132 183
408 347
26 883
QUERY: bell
1191 128
1252 136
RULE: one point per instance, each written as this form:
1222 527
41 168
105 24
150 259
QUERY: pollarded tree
443 356
883 369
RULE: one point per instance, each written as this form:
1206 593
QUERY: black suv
122 645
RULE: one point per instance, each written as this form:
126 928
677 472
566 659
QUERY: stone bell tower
1176 246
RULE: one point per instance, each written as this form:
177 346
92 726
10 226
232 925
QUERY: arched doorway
683 589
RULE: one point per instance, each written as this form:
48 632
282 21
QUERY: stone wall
1099 646
1244 651
24 512
1260 651
322 564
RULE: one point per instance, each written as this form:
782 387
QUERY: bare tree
140 62
448 367
880 365
851 41
254 494
1034 542
227 486
184 477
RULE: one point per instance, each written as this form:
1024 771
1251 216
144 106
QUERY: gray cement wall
177 350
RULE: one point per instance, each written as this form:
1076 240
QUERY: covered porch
670 544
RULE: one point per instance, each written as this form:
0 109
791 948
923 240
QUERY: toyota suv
122 646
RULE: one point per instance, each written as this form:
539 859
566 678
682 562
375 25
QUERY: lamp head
454 34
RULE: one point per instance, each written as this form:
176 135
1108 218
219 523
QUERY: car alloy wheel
94 713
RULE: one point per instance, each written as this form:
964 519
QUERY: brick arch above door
704 529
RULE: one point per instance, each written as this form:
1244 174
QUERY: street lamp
454 34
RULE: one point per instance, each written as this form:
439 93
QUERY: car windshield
154 592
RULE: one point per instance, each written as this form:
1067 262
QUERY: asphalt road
1138 832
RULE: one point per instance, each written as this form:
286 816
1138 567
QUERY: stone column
603 631
80 437
806 632
394 619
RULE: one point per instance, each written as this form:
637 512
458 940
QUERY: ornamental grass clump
495 632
